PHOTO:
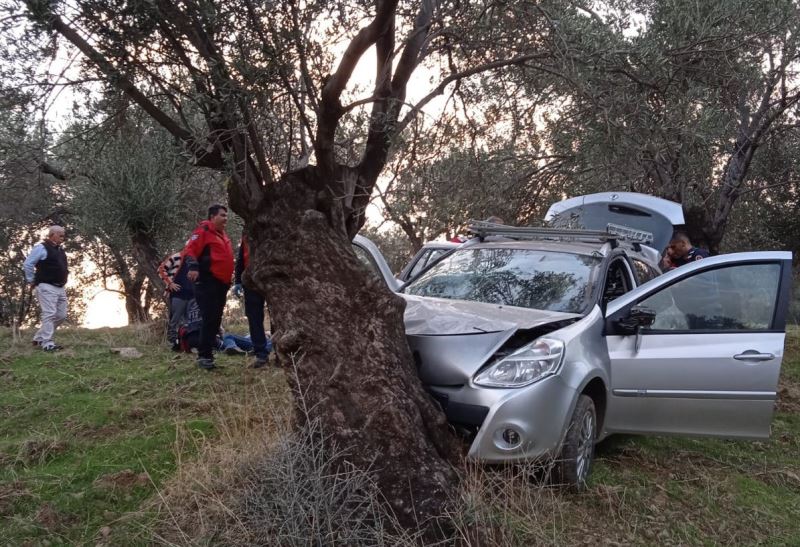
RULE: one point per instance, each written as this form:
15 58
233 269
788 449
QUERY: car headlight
525 366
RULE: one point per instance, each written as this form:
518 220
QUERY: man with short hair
681 252
47 271
209 256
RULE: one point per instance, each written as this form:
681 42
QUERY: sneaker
36 343
260 362
52 347
205 363
234 350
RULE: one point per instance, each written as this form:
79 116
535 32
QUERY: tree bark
357 380
137 312
147 257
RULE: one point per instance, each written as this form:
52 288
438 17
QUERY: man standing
209 257
173 272
253 308
681 252
46 270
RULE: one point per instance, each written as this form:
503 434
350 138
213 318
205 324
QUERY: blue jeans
244 343
254 310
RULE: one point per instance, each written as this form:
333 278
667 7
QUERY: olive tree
274 84
134 194
675 98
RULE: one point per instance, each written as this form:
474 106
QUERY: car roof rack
612 234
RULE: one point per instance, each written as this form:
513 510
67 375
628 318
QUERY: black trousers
254 310
210 294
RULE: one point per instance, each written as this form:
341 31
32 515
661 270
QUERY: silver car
540 343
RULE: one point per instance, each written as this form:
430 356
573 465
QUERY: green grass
88 440
86 437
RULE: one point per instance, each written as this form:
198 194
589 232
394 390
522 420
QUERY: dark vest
53 269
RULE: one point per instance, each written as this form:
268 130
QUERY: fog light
511 437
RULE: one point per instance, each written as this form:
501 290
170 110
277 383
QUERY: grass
99 449
87 437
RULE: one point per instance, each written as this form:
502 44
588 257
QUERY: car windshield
527 278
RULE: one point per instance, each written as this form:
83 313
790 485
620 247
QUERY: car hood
452 339
426 316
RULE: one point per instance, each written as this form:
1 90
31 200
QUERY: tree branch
330 111
415 109
204 156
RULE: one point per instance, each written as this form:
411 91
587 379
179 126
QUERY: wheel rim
585 446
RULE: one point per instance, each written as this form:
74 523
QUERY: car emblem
614 197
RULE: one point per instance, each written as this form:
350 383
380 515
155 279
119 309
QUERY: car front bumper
537 414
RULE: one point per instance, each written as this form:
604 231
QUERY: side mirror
638 317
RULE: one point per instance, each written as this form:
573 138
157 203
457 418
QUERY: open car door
698 351
369 255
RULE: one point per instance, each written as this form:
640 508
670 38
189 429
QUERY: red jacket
209 252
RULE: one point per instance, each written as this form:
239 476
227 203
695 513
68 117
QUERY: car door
369 255
709 362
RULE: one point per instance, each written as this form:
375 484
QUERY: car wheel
577 452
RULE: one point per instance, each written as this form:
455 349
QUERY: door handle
753 355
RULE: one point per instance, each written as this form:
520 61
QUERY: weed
273 485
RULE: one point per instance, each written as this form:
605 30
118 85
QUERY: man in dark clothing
47 271
681 252
231 344
173 272
253 307
209 256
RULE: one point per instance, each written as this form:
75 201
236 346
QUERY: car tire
577 452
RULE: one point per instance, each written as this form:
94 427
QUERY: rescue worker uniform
695 253
209 252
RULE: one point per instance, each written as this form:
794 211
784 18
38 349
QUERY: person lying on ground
231 344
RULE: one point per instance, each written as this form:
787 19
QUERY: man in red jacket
209 256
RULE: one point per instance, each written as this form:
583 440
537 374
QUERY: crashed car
540 342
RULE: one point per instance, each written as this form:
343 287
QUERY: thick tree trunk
137 313
132 289
147 256
342 328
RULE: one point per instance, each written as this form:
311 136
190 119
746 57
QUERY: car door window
644 272
367 260
420 264
734 298
618 280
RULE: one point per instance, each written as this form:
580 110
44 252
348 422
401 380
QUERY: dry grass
507 506
262 482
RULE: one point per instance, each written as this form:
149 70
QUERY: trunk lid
658 216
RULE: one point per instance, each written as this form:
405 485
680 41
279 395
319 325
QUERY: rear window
515 277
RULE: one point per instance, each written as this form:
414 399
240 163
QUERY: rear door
710 362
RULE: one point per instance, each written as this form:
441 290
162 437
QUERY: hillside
97 448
